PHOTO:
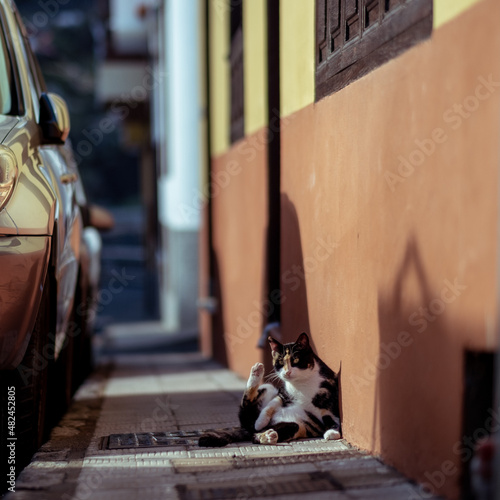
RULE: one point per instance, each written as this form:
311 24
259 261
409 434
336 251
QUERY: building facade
352 194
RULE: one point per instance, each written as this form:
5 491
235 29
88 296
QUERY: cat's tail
218 439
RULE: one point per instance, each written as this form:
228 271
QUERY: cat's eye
295 360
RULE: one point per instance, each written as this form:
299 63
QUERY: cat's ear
303 341
275 345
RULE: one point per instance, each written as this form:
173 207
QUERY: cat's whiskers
272 377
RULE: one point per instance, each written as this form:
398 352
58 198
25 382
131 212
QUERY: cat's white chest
302 392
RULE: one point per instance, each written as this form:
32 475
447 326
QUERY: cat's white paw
257 370
268 437
256 375
331 435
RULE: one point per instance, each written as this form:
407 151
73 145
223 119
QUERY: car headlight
8 174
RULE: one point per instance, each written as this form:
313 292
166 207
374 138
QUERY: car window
24 60
34 67
5 79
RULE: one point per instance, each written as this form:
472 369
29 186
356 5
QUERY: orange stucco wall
239 184
389 240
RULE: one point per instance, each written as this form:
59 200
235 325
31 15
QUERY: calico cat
306 404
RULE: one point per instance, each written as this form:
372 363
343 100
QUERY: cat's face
292 361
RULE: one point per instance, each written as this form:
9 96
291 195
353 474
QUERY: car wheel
26 387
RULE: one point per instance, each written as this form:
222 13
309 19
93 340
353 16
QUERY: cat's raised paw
268 437
256 375
331 435
257 370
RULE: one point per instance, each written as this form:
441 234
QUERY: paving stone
318 495
304 483
39 479
359 477
256 474
212 453
158 492
193 465
281 460
209 425
338 444
397 492
52 456
21 494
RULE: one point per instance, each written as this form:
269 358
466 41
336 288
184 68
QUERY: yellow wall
255 64
219 75
445 10
297 61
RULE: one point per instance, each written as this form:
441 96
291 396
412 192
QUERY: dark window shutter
353 37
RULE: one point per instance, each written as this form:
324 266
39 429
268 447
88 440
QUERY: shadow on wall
420 376
295 312
293 290
295 317
219 348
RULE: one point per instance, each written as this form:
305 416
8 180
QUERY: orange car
48 255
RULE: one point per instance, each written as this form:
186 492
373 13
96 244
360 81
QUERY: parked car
49 253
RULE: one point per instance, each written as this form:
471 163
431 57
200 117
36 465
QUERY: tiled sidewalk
184 392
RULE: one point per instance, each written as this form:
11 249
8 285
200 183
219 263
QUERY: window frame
400 25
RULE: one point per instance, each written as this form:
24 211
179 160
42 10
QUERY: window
355 36
236 58
28 60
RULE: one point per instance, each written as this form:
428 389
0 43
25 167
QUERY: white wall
179 181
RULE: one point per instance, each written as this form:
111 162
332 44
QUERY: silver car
49 254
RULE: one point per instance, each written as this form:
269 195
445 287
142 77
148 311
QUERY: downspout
273 251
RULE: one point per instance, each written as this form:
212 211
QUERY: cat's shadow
293 282
295 311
